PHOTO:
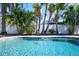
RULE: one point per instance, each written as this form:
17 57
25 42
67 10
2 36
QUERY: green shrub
51 30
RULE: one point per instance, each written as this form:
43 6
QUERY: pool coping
40 36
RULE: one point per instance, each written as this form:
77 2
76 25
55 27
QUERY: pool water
39 47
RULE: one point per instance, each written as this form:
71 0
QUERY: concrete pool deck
39 36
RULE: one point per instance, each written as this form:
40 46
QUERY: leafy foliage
72 19
22 19
37 8
51 30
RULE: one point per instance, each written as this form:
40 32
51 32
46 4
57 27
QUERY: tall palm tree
4 11
43 27
56 22
4 18
37 13
51 9
58 7
40 16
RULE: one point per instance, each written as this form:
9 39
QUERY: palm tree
58 7
56 22
4 11
51 10
40 16
4 18
46 4
37 13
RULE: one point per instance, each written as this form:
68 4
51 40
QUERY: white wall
11 29
61 29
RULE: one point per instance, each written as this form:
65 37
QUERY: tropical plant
70 19
4 12
51 9
52 31
43 27
58 7
37 13
4 18
22 19
30 29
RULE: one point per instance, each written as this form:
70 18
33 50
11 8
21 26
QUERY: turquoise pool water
39 47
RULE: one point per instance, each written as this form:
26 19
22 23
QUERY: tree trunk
39 24
56 27
57 22
48 23
4 18
39 21
36 24
44 20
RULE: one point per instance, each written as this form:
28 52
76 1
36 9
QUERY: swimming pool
24 46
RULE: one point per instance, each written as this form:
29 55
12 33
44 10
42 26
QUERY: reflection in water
74 41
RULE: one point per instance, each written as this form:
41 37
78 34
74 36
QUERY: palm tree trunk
57 23
36 24
44 20
48 23
56 27
40 20
4 18
39 24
